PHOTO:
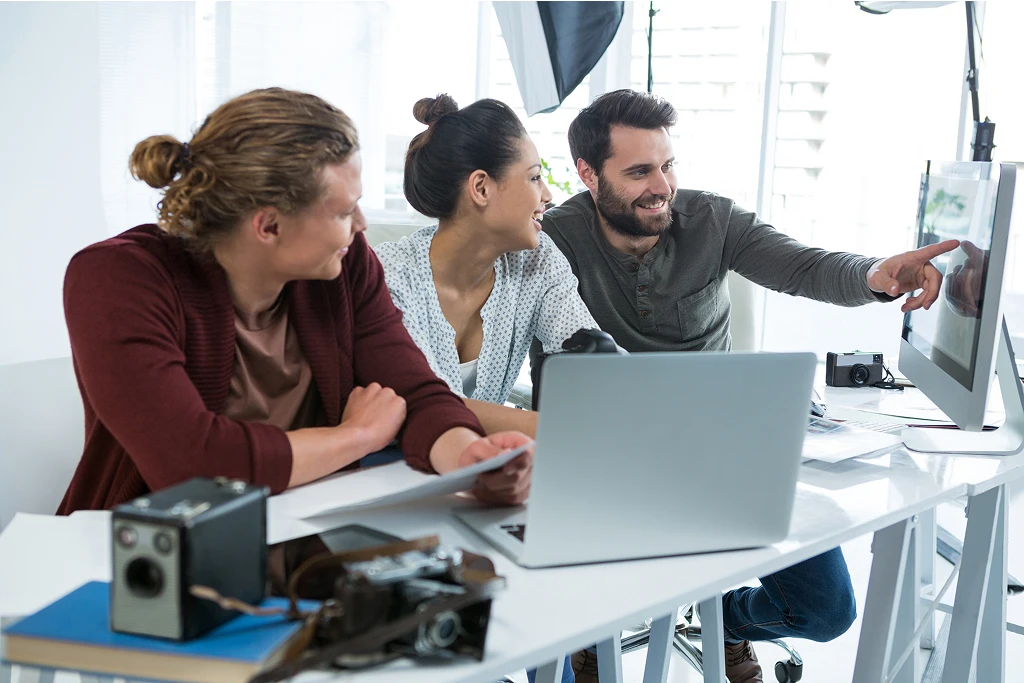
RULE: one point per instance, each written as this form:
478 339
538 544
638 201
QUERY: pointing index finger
933 250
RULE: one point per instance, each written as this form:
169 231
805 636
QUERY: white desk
979 621
544 614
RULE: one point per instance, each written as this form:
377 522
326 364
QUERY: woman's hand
509 485
376 413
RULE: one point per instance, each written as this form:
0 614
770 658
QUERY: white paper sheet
830 441
43 557
376 486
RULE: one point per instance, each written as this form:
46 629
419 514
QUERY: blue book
74 634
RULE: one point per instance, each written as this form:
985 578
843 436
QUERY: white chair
379 231
42 430
741 324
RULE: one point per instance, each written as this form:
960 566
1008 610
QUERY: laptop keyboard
884 427
517 530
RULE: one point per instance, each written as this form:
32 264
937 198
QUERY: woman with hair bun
249 333
479 286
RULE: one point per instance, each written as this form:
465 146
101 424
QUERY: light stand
984 131
650 47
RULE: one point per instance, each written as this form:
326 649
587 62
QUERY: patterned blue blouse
534 294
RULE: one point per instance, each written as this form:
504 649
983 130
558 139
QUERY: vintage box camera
855 369
203 532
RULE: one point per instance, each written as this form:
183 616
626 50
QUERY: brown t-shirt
272 382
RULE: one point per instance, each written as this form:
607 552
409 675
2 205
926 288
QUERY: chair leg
659 650
688 632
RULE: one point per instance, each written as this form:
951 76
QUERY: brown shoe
741 663
584 665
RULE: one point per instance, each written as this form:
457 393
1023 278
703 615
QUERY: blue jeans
812 600
567 675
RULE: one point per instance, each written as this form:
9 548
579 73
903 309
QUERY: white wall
78 87
50 150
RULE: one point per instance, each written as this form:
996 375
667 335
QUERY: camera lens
144 578
442 630
859 374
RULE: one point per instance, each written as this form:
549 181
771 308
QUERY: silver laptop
658 454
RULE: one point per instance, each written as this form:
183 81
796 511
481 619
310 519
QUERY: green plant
549 177
942 203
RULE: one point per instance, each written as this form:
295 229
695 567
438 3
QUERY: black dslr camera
855 369
582 341
203 532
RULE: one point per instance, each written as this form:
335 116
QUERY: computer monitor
951 350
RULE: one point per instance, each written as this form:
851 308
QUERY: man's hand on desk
909 272
509 485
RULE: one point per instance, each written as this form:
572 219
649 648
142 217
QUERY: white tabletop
546 613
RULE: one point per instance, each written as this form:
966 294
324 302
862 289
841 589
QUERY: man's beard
621 214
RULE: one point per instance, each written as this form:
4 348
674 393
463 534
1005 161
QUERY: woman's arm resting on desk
496 418
461 447
371 420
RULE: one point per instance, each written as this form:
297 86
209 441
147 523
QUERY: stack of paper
831 441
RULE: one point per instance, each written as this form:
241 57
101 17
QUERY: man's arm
774 260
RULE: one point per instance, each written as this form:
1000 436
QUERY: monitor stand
1006 440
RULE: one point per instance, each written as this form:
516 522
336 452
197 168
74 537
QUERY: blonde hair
266 148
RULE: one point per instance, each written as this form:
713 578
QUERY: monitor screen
957 201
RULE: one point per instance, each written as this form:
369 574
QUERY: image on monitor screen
957 206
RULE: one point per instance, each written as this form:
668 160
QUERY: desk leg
907 611
659 649
992 641
925 533
712 638
551 672
973 605
609 659
890 548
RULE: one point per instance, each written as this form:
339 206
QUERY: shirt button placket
644 306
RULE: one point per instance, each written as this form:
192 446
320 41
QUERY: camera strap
327 559
373 640
477 578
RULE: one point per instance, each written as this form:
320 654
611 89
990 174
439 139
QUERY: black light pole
984 131
650 46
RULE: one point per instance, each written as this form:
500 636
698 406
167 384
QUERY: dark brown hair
590 131
483 136
266 148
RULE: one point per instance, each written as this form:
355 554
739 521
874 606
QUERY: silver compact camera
854 369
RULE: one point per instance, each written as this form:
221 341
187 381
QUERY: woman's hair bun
430 109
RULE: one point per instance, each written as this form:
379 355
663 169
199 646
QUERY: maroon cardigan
153 342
